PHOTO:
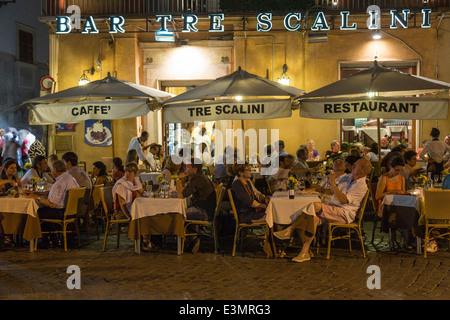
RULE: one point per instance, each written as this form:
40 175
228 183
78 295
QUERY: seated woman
100 176
125 191
392 182
8 176
249 208
38 168
9 180
118 171
171 167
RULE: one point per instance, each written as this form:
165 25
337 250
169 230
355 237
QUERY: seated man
335 150
53 206
301 167
281 175
342 208
339 171
71 162
202 193
279 148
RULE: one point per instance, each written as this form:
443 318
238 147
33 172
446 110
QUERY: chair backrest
437 204
96 195
220 191
107 199
269 186
362 208
73 199
233 206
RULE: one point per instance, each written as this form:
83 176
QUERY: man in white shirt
154 149
436 150
53 206
342 208
137 143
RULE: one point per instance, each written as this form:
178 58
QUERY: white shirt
59 189
436 149
355 192
136 144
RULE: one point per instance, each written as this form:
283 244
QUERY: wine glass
436 178
301 184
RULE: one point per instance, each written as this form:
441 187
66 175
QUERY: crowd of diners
343 187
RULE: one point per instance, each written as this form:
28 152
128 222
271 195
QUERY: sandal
146 245
8 242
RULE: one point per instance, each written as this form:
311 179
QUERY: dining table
402 212
150 176
18 215
284 211
157 216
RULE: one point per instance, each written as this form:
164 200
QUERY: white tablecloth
403 129
153 176
146 207
372 132
283 210
19 205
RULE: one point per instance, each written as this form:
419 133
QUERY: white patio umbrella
237 96
106 99
377 92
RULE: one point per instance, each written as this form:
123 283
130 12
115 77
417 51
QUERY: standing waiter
137 143
436 150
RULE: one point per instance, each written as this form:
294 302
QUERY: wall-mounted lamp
283 78
84 79
376 35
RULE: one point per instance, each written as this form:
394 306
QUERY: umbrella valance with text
228 109
74 112
387 108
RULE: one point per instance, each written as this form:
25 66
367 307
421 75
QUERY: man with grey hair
335 149
53 206
342 208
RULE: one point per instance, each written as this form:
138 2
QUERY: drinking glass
301 184
436 178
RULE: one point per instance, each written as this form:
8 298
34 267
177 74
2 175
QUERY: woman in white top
372 155
38 170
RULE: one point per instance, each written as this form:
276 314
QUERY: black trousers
50 213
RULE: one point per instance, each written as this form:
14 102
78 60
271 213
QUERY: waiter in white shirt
137 143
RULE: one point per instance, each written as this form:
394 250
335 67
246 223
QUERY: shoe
195 245
284 234
302 257
432 246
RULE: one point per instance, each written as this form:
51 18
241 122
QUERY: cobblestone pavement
121 274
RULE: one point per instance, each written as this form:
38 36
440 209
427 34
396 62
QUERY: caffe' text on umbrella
90 109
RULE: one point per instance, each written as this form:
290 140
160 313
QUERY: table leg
419 245
178 245
138 246
32 245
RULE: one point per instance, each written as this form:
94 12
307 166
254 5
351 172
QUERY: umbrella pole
379 141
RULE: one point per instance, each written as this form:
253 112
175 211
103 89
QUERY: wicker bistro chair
95 207
242 226
70 214
437 215
212 225
108 208
83 214
356 225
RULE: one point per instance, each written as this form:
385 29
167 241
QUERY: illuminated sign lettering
287 21
399 19
264 22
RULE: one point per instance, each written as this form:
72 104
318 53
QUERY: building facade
311 43
23 61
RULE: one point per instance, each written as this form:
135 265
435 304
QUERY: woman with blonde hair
171 166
